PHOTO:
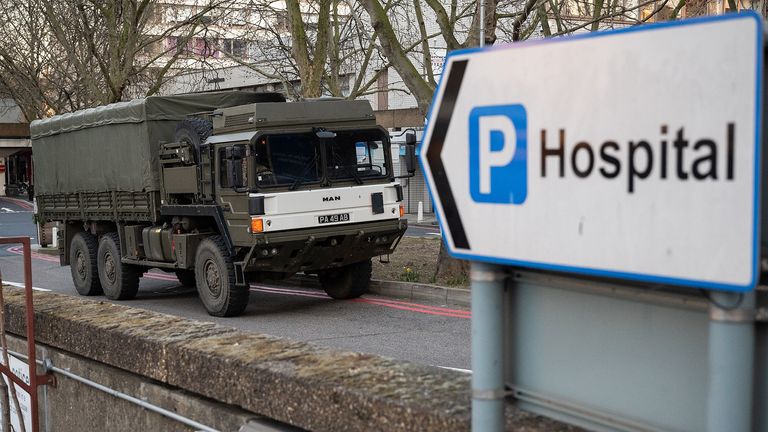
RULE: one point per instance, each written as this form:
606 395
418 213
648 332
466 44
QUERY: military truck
223 189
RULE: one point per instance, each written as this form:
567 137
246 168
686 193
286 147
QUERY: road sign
21 370
631 153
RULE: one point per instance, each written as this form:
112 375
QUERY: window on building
239 48
154 48
235 17
176 13
281 21
172 44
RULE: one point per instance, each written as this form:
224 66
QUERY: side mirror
410 153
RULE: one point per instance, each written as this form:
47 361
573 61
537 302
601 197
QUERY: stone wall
300 384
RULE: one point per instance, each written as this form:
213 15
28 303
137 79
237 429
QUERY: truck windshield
295 159
287 159
356 156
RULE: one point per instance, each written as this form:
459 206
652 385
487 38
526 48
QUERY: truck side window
376 156
223 177
239 163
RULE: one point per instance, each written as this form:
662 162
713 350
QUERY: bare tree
24 56
394 42
63 55
311 67
510 20
313 48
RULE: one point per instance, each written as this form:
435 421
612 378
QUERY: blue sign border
639 277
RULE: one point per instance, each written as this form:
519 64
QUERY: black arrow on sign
442 186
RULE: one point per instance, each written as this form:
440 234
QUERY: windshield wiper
303 176
337 159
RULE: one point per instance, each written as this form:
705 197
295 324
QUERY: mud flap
240 275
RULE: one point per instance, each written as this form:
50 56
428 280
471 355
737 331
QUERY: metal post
731 361
482 22
487 347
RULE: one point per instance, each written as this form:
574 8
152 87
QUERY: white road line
468 371
21 285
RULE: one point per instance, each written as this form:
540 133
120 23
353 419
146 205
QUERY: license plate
341 217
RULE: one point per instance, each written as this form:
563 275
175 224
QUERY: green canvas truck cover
115 147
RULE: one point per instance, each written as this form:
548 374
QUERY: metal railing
35 380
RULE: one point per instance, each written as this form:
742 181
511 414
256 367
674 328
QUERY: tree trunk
391 47
451 271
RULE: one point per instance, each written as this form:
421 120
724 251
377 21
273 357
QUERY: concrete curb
424 224
45 250
294 382
400 290
418 291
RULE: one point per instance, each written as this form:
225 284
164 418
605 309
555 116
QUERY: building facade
15 151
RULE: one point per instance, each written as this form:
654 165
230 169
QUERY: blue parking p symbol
498 154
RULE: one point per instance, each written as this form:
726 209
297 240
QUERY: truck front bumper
321 248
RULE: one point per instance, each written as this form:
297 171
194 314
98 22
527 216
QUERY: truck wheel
85 274
215 275
350 281
186 277
120 281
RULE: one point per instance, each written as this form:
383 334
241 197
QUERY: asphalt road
421 332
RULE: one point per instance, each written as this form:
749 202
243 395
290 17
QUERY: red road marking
393 304
20 203
297 294
18 251
458 314
383 302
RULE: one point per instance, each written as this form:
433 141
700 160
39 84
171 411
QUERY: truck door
232 189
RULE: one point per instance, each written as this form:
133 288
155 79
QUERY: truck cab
302 187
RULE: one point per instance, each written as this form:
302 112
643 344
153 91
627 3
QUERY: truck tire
119 281
193 131
348 282
85 273
215 275
186 277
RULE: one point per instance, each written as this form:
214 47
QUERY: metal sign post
632 155
731 361
488 390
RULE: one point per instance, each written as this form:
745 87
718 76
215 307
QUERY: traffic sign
630 154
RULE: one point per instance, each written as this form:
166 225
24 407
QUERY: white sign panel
630 154
21 370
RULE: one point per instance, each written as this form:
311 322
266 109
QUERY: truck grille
238 120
